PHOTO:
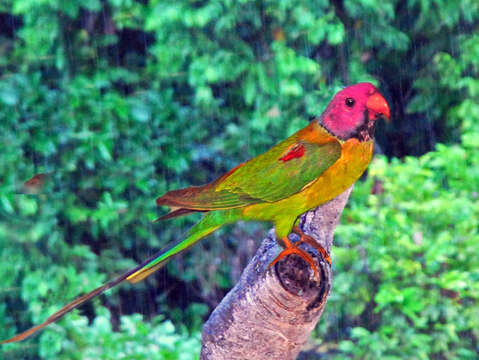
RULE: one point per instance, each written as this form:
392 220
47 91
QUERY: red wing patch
295 152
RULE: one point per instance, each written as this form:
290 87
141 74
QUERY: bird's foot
294 249
303 238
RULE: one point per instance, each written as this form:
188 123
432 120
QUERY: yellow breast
354 160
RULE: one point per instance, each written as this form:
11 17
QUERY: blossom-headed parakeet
309 168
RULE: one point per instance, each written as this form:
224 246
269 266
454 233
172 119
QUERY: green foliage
132 339
121 100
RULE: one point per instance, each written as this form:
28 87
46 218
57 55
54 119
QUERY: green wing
277 174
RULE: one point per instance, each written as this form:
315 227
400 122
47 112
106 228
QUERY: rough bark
270 313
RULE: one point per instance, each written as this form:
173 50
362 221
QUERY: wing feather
278 173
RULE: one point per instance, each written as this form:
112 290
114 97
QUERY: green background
122 100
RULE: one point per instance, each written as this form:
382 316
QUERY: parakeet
309 168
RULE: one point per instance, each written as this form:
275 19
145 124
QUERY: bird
309 168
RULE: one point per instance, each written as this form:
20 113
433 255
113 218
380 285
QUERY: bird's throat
363 131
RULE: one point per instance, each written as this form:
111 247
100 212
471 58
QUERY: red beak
377 104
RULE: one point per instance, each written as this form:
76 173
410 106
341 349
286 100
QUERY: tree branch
270 313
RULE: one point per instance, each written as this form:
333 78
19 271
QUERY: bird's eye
350 102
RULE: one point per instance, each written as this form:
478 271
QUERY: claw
293 249
311 241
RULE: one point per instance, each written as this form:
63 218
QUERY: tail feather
159 261
177 213
70 306
134 275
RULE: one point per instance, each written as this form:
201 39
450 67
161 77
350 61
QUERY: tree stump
271 311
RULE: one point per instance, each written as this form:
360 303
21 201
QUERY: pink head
353 112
